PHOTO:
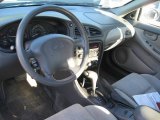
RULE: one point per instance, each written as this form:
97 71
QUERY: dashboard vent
91 31
94 31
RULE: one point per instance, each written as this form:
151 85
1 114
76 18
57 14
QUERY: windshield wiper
25 4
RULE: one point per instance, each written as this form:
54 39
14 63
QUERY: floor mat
25 103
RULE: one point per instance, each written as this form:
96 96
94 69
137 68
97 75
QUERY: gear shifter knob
93 76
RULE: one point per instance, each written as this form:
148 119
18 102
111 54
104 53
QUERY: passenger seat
135 84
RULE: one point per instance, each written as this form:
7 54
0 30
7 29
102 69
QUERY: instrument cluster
34 30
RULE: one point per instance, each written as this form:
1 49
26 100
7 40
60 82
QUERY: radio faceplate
95 49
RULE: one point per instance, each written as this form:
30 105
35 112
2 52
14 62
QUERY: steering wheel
54 53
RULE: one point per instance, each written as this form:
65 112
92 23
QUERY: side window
150 14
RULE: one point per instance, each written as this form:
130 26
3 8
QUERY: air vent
91 31
94 31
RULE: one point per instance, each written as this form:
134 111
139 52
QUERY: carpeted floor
25 103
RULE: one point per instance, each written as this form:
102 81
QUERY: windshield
63 1
103 3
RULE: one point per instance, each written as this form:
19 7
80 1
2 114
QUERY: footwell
25 103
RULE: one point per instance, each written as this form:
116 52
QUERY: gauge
37 31
8 38
3 41
11 34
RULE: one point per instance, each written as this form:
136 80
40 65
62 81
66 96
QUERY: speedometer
37 31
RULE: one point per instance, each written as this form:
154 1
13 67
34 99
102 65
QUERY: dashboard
36 28
100 26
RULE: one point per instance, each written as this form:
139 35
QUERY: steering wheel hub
53 52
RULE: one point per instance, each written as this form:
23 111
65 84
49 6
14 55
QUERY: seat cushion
146 113
135 84
77 112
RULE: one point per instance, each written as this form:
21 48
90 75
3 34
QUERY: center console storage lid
146 113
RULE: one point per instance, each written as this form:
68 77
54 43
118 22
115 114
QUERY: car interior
79 60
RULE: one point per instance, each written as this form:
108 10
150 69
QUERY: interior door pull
150 35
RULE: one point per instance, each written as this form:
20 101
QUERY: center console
91 84
95 54
88 80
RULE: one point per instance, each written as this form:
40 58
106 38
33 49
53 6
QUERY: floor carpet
25 103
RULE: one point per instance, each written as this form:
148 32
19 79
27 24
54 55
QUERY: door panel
142 53
147 27
150 44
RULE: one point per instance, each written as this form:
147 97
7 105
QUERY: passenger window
150 14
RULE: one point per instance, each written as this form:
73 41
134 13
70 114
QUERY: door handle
150 35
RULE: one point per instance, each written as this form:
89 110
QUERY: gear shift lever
93 77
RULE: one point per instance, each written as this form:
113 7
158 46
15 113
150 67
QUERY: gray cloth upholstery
146 113
77 112
135 84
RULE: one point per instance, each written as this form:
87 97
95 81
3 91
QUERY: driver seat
77 112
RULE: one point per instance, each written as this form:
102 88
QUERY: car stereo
95 52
